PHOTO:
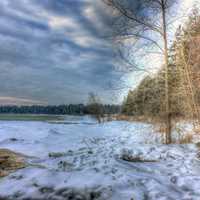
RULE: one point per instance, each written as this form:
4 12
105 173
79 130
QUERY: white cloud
4 100
187 4
61 22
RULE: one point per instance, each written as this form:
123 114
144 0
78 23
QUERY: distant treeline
71 109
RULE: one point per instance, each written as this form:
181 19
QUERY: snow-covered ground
82 160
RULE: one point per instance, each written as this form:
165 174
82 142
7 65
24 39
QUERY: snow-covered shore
82 160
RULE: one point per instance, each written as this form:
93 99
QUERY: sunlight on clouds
89 12
92 12
188 3
79 36
4 100
88 41
83 41
60 22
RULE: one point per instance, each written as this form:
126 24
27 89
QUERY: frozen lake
78 159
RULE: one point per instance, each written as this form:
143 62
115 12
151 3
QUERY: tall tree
144 22
95 107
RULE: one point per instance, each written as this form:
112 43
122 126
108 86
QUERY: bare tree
141 23
95 107
187 61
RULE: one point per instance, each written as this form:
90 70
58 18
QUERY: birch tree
145 23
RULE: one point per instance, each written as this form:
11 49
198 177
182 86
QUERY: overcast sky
54 52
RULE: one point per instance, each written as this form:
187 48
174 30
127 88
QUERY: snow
81 159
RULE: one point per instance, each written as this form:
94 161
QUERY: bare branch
124 12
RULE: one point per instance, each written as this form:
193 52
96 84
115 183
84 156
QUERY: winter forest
100 100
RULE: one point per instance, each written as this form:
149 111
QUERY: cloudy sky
55 52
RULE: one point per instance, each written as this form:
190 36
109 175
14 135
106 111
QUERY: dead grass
186 139
159 127
121 117
10 162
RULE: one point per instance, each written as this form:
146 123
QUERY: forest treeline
148 99
71 109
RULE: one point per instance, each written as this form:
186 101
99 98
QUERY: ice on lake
80 159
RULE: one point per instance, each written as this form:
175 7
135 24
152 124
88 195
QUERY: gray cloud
55 51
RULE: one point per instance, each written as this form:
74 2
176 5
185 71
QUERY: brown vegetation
10 162
142 28
148 99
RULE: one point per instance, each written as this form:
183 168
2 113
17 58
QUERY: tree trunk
166 56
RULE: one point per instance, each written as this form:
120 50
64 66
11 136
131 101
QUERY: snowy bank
84 161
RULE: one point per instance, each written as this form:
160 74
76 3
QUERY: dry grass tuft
10 162
186 139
